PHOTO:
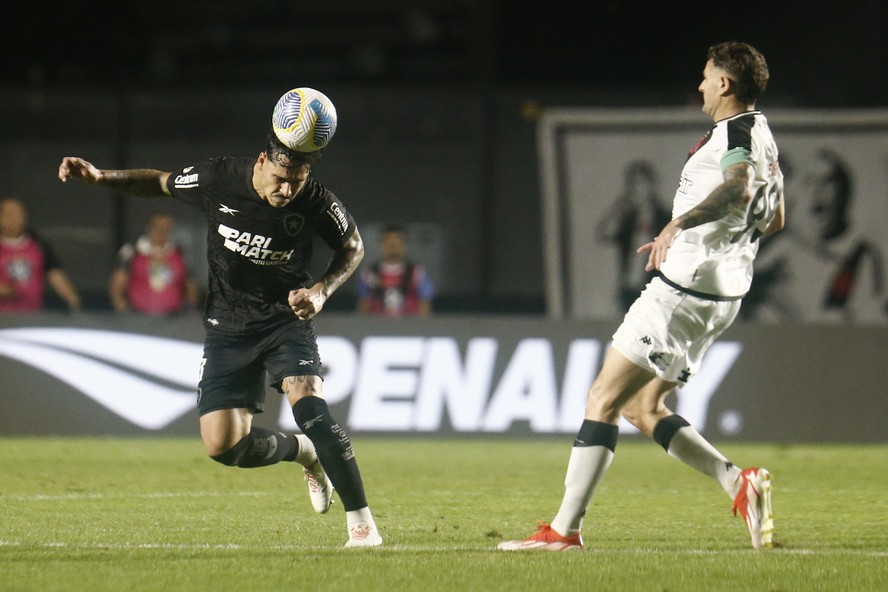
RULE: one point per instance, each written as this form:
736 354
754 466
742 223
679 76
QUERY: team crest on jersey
700 143
293 224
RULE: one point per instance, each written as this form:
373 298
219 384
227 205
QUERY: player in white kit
730 194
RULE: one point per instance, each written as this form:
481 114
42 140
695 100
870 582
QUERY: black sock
259 448
597 433
666 429
334 450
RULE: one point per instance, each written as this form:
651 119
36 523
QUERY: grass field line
40 497
418 549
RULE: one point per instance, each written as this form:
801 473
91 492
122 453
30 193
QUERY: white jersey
715 259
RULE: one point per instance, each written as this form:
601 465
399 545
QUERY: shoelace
545 533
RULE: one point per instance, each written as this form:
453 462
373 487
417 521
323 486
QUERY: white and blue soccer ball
304 119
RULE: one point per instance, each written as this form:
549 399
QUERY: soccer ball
304 119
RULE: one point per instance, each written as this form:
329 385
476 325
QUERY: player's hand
658 248
73 167
306 302
7 291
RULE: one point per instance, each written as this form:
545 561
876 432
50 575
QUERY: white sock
586 468
688 446
306 455
360 516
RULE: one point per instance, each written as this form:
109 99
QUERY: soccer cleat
362 534
753 501
320 490
544 539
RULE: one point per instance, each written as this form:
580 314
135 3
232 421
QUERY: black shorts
234 367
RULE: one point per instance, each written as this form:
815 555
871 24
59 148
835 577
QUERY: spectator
151 276
395 286
27 263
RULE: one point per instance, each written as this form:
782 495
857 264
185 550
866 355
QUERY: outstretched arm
136 182
307 302
734 193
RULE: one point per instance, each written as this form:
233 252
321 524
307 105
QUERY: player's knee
601 407
630 414
222 450
640 416
231 457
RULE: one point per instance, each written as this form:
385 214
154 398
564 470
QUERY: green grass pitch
136 514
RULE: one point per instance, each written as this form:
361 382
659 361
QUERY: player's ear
728 86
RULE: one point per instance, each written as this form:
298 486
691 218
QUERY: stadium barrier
455 375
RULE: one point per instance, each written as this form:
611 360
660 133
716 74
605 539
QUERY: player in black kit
262 214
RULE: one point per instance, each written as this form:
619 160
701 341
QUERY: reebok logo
311 422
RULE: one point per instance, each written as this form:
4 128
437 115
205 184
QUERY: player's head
13 217
745 66
393 243
281 173
286 157
159 227
832 190
640 174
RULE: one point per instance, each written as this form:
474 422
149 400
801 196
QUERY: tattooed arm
136 182
307 302
733 194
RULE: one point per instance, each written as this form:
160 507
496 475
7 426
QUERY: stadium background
438 104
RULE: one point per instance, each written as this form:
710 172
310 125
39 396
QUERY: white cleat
753 501
320 490
361 534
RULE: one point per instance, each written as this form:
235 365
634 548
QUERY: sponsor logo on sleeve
186 179
338 216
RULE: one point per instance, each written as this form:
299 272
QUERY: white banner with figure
608 179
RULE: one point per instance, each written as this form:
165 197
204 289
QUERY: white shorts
667 331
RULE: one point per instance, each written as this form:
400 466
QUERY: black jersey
256 253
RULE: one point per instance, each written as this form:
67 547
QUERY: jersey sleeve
191 183
737 156
334 224
740 144
125 256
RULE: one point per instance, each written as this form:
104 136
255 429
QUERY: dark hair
287 157
393 227
839 176
159 214
745 65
